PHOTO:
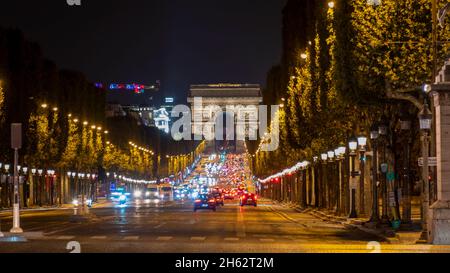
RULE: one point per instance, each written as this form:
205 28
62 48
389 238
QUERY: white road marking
131 238
198 238
158 226
231 239
98 237
240 226
65 237
266 240
164 238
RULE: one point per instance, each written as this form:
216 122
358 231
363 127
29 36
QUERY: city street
174 227
216 127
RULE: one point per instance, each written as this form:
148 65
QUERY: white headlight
137 194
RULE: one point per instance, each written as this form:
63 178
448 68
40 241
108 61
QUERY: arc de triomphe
225 113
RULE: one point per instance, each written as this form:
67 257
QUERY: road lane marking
198 238
231 239
266 240
65 237
98 237
131 238
240 225
260 235
164 238
158 226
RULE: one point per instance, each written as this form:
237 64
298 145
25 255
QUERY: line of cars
210 200
216 197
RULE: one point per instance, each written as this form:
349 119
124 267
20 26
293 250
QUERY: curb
349 224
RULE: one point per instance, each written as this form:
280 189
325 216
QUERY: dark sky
179 42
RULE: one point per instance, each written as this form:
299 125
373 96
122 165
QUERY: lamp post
34 186
323 195
316 189
375 215
330 182
405 126
362 142
8 198
382 131
26 189
340 153
425 120
41 186
353 145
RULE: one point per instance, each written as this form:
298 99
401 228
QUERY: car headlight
147 194
137 194
75 202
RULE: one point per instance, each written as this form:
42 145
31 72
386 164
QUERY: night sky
179 42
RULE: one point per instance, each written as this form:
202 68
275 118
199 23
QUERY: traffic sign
432 161
16 135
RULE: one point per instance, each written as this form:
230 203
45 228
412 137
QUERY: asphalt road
174 227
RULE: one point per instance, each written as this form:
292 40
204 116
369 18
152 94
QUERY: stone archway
240 104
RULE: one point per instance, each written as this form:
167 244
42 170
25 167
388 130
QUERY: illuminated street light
353 145
374 2
362 142
44 105
331 4
55 109
304 56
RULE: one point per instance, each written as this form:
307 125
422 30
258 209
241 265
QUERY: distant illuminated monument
221 103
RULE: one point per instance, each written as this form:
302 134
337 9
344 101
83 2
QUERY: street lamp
339 155
362 142
382 136
353 146
323 187
425 122
375 216
405 126
330 180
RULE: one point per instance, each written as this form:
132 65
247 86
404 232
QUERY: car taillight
198 201
212 200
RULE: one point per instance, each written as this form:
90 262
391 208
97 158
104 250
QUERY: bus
166 192
152 192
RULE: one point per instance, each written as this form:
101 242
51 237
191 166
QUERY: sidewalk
401 236
101 203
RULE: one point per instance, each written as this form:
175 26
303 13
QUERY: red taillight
198 201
